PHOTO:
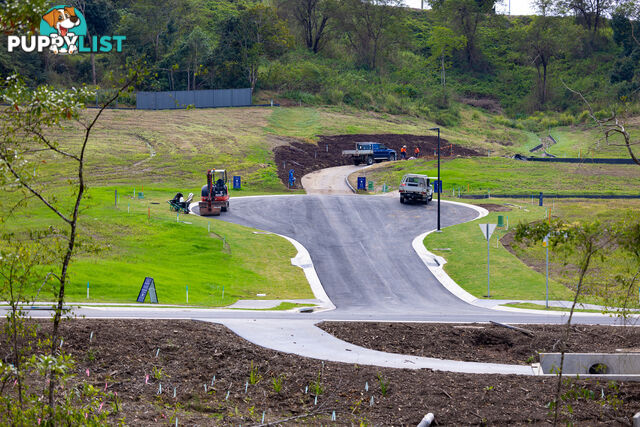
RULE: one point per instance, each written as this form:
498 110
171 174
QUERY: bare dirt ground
304 158
493 207
189 353
482 342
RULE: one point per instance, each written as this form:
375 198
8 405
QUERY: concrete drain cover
610 366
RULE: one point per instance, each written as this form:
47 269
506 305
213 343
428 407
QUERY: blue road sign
437 186
362 183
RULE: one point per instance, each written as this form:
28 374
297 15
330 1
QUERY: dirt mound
304 158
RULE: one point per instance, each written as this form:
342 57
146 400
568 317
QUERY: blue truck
369 152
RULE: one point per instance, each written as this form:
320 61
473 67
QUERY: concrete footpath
303 338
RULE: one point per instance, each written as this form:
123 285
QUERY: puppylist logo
63 30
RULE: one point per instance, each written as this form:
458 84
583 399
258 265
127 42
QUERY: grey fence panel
222 98
185 98
166 100
146 101
241 97
198 98
204 98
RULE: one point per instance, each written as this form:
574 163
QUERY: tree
442 42
246 41
312 16
94 13
589 13
195 51
582 241
371 28
463 17
144 24
542 43
544 7
614 125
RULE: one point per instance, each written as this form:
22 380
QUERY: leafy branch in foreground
583 242
29 119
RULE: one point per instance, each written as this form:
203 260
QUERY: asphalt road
361 247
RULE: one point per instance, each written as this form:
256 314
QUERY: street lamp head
434 129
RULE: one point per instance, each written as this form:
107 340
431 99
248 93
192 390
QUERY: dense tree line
367 53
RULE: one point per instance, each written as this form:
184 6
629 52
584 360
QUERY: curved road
361 248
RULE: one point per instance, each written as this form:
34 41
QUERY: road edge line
435 264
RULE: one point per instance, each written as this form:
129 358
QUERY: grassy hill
163 152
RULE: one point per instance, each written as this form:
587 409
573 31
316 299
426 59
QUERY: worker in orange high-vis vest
403 152
416 152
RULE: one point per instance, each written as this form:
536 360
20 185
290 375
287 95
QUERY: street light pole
439 181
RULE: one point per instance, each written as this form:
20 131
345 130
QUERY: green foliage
277 382
247 40
20 16
316 387
29 367
368 55
157 373
384 385
254 375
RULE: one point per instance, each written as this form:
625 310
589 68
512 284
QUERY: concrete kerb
346 179
435 264
302 260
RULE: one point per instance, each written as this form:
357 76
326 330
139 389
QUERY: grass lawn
531 306
601 280
522 276
467 260
586 141
229 258
499 175
280 307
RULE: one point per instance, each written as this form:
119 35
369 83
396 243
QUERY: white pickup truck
416 188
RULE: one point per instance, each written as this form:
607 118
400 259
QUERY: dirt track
329 181
304 158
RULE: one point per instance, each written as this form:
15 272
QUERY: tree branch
34 192
52 147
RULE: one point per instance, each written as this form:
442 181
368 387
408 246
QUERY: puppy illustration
62 20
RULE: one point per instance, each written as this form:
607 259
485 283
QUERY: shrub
334 96
446 118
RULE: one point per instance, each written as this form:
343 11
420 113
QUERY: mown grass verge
532 306
142 238
467 259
